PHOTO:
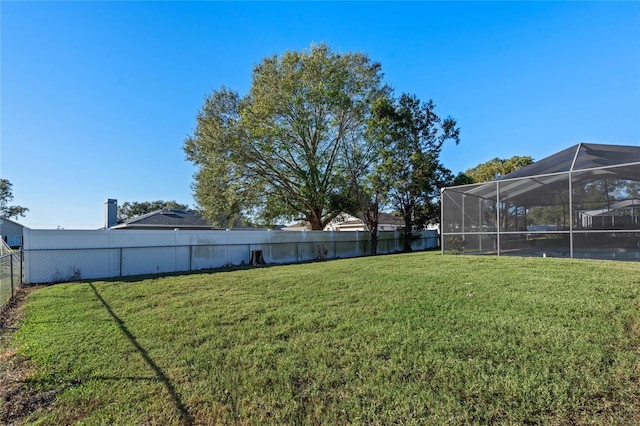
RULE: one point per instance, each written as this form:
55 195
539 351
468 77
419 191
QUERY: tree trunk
408 234
374 242
371 219
315 220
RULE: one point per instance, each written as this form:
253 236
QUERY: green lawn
403 339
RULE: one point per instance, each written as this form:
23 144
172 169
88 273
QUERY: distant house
346 222
298 226
11 233
616 214
171 219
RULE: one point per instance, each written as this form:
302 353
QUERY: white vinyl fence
67 255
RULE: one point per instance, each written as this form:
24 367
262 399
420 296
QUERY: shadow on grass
125 378
185 417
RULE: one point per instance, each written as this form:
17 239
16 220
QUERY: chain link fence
71 264
10 276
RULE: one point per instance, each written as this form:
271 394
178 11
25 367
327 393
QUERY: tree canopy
6 196
129 210
284 150
318 134
497 167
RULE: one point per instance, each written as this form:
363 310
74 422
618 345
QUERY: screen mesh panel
561 206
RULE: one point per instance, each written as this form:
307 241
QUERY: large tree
6 196
129 210
410 163
497 167
282 151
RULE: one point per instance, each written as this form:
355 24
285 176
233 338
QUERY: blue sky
97 98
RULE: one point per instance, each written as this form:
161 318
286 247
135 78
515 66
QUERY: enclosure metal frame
498 233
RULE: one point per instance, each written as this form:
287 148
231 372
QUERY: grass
403 339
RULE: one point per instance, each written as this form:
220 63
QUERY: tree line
318 134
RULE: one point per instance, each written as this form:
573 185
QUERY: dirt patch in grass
17 401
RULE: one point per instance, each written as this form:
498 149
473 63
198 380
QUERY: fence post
228 254
21 266
120 261
11 272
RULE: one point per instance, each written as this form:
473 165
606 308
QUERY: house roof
11 222
389 219
169 219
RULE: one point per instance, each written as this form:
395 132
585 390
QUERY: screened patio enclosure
583 202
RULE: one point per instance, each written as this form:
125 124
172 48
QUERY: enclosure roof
580 157
542 182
